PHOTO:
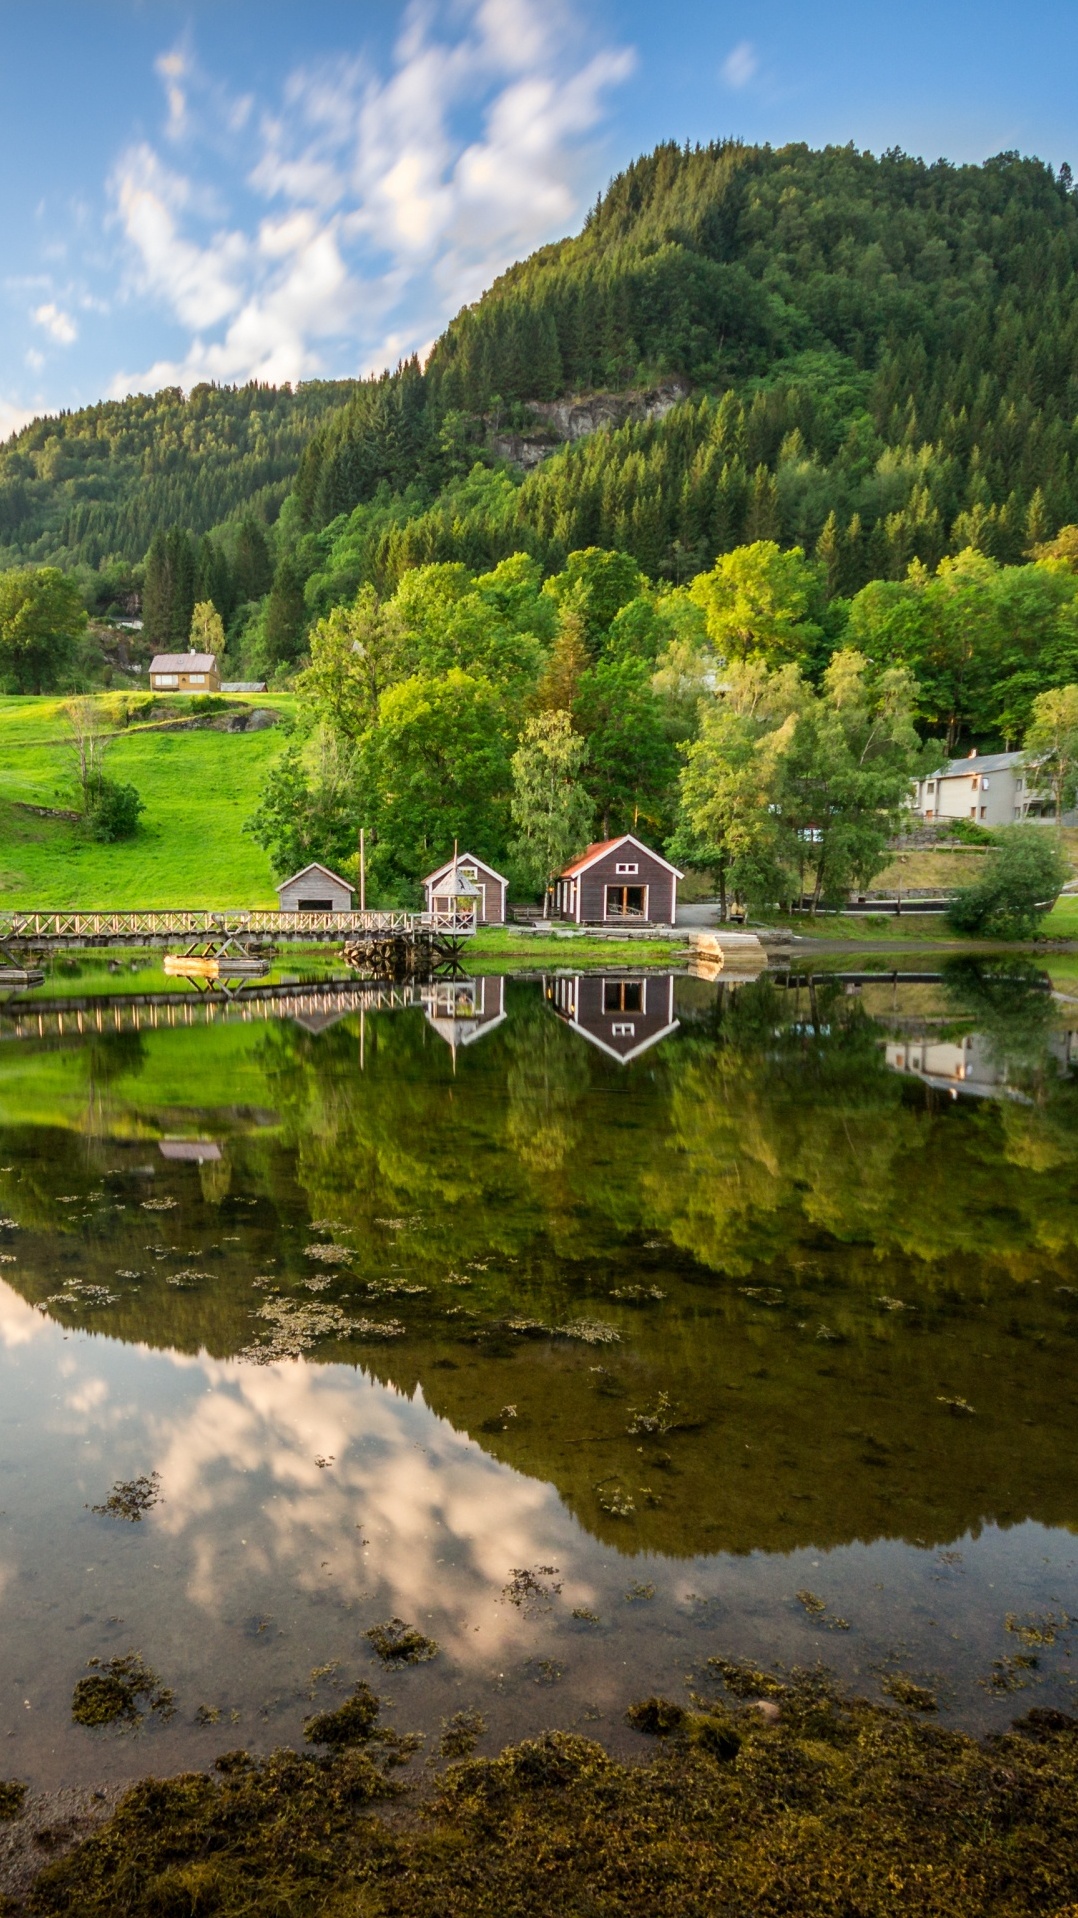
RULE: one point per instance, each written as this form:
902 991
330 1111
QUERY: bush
1021 884
112 810
969 833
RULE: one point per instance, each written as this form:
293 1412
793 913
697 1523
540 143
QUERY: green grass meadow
190 850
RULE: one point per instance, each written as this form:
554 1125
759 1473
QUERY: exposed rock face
574 419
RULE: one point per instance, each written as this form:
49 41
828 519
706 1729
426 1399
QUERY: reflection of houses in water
954 1066
463 1010
970 1065
624 1017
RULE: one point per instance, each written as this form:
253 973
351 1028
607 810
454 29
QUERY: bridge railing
194 924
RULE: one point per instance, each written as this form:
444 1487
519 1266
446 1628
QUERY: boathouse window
626 868
625 902
623 995
316 905
624 1030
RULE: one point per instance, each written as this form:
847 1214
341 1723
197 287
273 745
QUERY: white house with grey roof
994 789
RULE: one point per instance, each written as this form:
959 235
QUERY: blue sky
282 190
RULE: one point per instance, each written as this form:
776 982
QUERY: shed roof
316 866
184 663
464 859
601 846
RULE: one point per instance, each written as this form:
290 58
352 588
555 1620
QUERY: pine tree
829 554
567 664
286 614
252 568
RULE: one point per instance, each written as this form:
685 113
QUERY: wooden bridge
46 931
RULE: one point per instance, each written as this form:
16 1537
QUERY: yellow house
184 673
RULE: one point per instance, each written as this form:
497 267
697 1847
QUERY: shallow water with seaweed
519 1345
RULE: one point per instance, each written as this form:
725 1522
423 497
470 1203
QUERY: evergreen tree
168 599
286 614
252 568
568 662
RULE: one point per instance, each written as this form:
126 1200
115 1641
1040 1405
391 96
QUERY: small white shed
315 889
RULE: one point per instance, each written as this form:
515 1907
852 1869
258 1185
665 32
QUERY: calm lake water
753 1311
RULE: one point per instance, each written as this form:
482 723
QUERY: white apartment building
995 789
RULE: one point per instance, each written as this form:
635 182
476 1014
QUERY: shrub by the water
1021 884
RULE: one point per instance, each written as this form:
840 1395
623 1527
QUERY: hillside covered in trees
884 356
877 362
97 484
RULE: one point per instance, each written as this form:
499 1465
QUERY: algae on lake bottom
822 1804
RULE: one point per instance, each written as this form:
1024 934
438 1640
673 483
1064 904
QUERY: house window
624 1030
973 812
625 902
984 812
196 679
623 995
625 868
165 680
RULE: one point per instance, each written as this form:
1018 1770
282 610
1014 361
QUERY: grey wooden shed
315 889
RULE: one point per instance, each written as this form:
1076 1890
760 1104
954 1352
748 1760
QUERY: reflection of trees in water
108 1057
790 1132
1008 1003
774 1138
547 1078
786 1128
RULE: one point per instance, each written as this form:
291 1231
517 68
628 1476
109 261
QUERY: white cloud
173 68
57 324
19 1322
201 283
740 64
396 196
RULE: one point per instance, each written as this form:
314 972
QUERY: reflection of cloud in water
441 1518
19 1322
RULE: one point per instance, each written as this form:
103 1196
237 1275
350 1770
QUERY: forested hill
98 483
897 345
883 364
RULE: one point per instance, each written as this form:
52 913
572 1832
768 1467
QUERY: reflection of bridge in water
459 1010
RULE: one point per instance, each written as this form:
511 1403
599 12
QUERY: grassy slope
198 788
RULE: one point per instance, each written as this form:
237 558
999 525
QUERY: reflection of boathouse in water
624 1017
463 1010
